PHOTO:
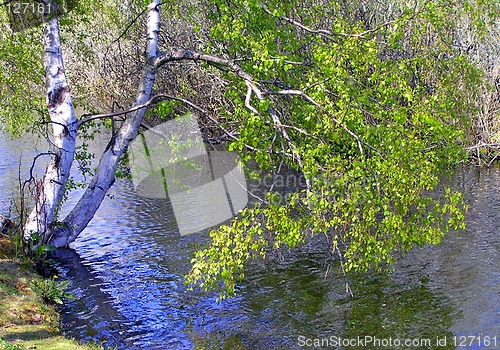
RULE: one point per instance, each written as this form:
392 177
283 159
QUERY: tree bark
50 190
76 221
43 218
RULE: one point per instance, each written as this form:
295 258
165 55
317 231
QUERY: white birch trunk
50 190
43 218
76 221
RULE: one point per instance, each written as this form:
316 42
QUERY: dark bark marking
57 96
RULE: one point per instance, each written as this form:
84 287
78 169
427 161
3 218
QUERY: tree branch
185 54
128 26
322 32
31 177
328 33
483 145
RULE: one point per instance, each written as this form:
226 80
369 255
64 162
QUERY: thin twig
483 145
328 33
322 32
31 177
493 159
128 26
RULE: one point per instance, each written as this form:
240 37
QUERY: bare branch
156 98
64 126
248 98
128 27
483 145
284 133
376 29
90 117
32 167
493 159
184 54
293 92
301 131
227 132
322 32
335 120
328 33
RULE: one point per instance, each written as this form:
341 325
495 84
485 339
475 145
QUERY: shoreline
27 320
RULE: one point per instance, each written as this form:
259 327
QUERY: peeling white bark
43 218
76 221
64 125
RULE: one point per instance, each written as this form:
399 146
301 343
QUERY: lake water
126 271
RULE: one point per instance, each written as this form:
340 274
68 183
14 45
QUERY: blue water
126 271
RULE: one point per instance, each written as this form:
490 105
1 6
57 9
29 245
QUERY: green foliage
165 109
232 246
43 249
21 75
51 290
392 102
13 247
4 345
389 101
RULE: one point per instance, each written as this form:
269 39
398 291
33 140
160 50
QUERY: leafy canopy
388 102
380 107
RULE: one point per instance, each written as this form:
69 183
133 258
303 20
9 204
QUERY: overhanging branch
252 86
328 33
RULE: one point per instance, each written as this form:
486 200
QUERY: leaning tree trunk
76 221
43 218
50 190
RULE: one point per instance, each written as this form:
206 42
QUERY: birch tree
42 225
64 125
370 103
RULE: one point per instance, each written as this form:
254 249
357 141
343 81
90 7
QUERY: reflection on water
137 259
126 270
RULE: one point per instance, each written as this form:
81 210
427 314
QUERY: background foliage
370 101
394 95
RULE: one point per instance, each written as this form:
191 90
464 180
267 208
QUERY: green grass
26 320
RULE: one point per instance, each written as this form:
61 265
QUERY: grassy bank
27 321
